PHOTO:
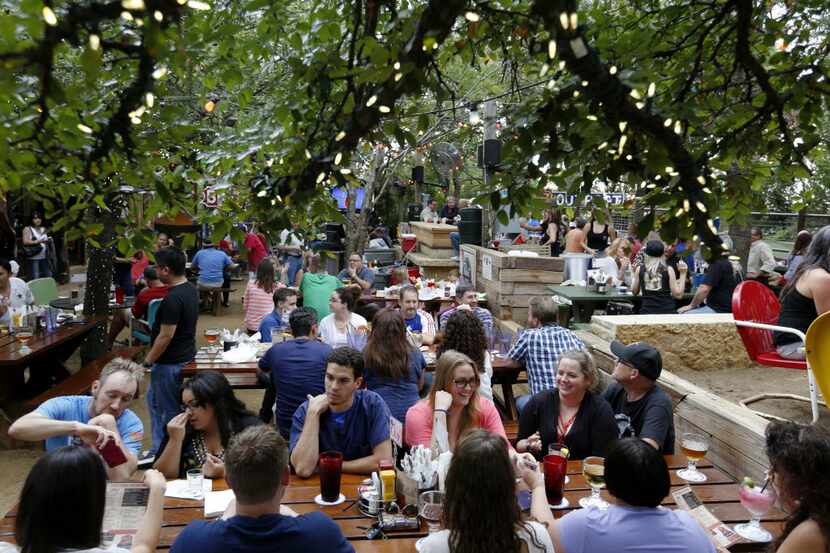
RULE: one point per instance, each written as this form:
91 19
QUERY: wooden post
488 222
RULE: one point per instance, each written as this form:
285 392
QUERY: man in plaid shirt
539 347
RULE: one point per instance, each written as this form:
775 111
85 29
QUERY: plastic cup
330 468
194 481
119 295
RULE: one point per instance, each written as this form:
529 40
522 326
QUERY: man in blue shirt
92 420
345 418
297 369
211 264
256 469
357 273
467 298
285 302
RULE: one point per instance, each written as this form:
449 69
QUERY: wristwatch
147 365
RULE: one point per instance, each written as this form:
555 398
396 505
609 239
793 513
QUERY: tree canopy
692 106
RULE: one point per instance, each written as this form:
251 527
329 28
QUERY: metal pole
489 133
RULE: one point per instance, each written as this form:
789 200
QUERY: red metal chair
755 310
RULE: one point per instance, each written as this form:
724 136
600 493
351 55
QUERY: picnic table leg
509 400
216 301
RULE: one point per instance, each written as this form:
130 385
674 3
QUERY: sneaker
146 459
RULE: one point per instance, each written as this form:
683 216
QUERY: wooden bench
212 297
80 383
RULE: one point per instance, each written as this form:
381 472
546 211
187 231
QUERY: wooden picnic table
46 357
719 494
585 301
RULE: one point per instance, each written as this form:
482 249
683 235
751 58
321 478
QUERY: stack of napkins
240 354
217 502
180 489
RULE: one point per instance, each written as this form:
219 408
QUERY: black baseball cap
641 356
655 248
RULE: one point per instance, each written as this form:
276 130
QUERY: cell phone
523 498
112 454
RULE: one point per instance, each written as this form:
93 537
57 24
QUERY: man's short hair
756 230
462 289
254 463
407 289
315 262
172 258
544 309
301 320
347 357
150 273
636 473
134 372
283 294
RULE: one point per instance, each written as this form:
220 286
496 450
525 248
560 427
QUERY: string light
134 5
384 109
472 17
678 128
652 88
563 20
552 49
94 42
340 136
84 129
701 207
198 5
668 122
613 70
372 101
49 16
127 16
574 21
209 106
338 158
636 94
321 177
701 180
159 73
623 125
158 16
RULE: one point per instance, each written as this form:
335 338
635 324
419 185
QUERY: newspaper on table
126 503
720 534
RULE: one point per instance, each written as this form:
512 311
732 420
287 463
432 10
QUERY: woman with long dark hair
806 296
197 437
62 506
552 231
36 248
392 367
464 333
453 406
481 514
796 256
799 456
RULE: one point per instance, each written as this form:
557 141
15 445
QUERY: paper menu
217 502
720 534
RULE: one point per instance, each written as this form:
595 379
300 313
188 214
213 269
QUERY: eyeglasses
627 364
462 383
191 405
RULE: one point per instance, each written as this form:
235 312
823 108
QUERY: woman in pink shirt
259 295
453 406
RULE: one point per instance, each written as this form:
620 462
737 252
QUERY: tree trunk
456 185
741 241
802 219
358 231
98 281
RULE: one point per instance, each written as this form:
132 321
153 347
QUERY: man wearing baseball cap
641 407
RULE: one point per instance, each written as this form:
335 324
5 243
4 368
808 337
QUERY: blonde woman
657 281
615 260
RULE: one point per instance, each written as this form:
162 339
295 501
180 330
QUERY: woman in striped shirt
259 295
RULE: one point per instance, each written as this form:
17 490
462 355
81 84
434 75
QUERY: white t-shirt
331 336
439 541
20 296
9 548
291 238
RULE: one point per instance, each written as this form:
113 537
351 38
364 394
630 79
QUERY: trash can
469 228
577 265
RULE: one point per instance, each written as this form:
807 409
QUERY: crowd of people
338 380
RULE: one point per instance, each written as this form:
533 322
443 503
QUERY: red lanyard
562 427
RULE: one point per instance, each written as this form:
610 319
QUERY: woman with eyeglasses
344 327
197 437
452 408
570 414
799 456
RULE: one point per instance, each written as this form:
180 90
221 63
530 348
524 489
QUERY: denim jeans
702 310
521 401
164 398
455 238
39 268
294 263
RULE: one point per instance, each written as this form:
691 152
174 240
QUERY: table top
69 304
719 494
10 354
582 294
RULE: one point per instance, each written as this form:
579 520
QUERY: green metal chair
44 290
137 333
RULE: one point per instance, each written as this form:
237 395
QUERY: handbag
31 251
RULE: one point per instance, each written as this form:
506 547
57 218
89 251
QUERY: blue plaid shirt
483 315
538 349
